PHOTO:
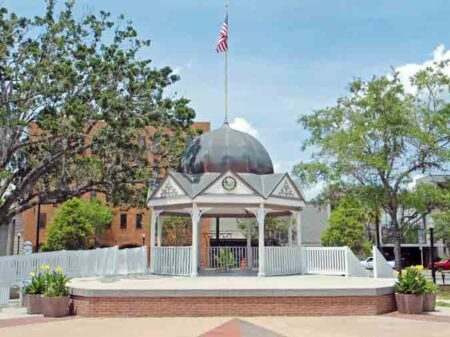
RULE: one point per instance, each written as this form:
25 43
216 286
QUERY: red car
443 264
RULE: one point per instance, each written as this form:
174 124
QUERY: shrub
411 281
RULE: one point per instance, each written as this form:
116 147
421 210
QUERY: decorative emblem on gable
229 183
286 191
168 190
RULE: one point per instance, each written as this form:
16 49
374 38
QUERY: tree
177 231
442 227
76 223
275 230
347 226
379 137
76 105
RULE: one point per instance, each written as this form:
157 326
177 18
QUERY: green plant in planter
225 258
411 281
37 284
56 284
430 287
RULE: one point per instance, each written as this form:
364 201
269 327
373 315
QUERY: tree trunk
397 245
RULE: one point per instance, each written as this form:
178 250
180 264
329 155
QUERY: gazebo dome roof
226 149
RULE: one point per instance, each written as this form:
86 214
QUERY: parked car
443 264
368 263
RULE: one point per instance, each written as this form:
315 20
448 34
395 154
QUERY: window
123 220
139 220
42 220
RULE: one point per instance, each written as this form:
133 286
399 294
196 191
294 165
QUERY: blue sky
286 57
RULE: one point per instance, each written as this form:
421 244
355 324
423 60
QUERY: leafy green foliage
56 283
411 281
378 137
346 226
430 287
442 226
177 231
78 104
36 285
225 258
75 224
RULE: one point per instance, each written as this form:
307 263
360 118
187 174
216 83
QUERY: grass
442 304
443 293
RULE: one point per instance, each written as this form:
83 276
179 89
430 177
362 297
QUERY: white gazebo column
249 245
289 223
159 222
196 214
154 219
260 217
299 228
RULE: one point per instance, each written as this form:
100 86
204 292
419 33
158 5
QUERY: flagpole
226 73
226 87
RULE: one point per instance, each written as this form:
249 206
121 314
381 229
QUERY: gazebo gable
287 189
168 189
219 186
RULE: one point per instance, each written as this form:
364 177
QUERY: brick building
129 228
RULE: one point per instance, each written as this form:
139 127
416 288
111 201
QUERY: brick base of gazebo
232 306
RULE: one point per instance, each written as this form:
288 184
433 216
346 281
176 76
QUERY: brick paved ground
389 325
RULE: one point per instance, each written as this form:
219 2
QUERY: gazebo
226 173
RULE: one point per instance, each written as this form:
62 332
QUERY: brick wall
232 306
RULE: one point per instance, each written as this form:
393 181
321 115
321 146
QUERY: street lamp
143 239
18 243
433 269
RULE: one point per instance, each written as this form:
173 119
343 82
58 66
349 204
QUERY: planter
55 306
409 304
429 302
34 304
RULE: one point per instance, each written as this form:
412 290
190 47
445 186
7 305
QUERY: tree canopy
347 225
76 104
76 224
379 137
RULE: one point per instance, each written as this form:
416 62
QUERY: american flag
222 44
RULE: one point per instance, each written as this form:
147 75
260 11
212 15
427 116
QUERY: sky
286 58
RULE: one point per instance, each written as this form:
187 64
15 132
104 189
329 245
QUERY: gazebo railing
283 260
230 257
172 260
325 260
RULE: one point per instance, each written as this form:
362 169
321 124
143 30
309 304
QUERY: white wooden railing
325 260
381 269
167 260
217 256
283 260
16 269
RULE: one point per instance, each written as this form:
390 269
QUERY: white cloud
276 167
243 125
408 70
313 191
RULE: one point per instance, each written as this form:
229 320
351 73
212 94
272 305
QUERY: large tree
77 106
379 137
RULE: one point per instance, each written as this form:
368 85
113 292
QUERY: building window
123 220
138 220
42 220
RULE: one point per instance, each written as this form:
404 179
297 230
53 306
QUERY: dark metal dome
226 148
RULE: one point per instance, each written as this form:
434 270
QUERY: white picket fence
171 260
215 257
283 260
381 269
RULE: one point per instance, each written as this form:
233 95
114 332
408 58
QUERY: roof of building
226 149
